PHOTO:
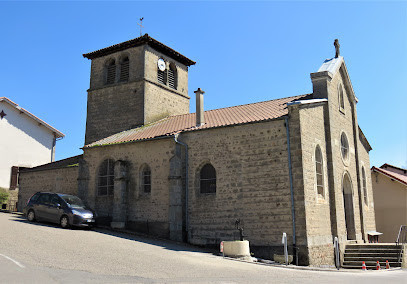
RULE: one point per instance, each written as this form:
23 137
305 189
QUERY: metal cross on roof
337 46
2 114
141 25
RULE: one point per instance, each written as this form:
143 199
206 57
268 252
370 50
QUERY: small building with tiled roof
27 141
390 198
293 165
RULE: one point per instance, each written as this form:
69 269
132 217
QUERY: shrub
3 195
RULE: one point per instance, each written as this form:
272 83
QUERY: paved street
44 253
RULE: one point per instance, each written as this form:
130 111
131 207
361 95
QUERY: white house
25 141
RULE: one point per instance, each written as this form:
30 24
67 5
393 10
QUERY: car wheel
64 222
31 216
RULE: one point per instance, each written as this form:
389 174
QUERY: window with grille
106 178
364 185
319 170
124 69
172 76
344 147
146 179
208 179
111 72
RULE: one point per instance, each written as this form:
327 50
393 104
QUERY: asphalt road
45 253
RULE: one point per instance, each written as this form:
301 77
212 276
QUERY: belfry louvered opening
124 69
162 76
172 76
111 72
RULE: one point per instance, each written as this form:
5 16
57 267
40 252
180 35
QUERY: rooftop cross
141 25
337 46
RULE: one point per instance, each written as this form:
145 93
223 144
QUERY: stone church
298 165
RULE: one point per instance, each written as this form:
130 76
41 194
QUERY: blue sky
245 52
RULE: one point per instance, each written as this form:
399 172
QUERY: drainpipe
291 190
186 183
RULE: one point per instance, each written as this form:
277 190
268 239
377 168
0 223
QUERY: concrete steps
355 254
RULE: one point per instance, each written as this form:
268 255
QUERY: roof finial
337 46
141 25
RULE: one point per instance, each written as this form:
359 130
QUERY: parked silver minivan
64 209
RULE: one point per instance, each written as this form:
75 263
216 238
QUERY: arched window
146 179
344 146
208 179
364 185
111 72
106 178
319 170
161 72
172 76
124 69
341 99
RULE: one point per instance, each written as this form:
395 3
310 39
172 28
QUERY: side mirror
58 206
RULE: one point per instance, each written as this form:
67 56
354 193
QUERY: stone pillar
83 184
119 196
176 196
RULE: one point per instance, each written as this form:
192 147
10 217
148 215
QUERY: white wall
23 142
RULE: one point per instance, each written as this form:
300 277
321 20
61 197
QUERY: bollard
336 246
284 241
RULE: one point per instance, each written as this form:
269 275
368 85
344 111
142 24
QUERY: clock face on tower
161 64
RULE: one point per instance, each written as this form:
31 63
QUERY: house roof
364 140
236 115
145 39
58 134
391 174
65 163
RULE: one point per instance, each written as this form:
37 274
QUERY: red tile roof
236 115
145 39
391 174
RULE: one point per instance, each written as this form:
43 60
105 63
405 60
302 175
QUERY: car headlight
84 215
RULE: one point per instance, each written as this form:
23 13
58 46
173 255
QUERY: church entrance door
348 207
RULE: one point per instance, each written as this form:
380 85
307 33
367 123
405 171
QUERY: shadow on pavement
128 235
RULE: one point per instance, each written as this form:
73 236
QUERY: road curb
309 268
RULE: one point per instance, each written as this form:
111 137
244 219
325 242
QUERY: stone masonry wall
140 100
298 184
61 180
317 209
159 104
369 208
342 121
113 109
146 212
252 185
162 100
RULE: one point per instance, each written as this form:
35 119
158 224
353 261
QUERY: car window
44 198
73 201
55 200
35 197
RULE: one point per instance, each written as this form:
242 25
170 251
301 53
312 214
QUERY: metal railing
401 239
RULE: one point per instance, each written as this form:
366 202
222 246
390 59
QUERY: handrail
401 239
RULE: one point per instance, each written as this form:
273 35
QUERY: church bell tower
134 83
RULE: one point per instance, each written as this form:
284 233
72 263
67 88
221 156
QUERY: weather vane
141 25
